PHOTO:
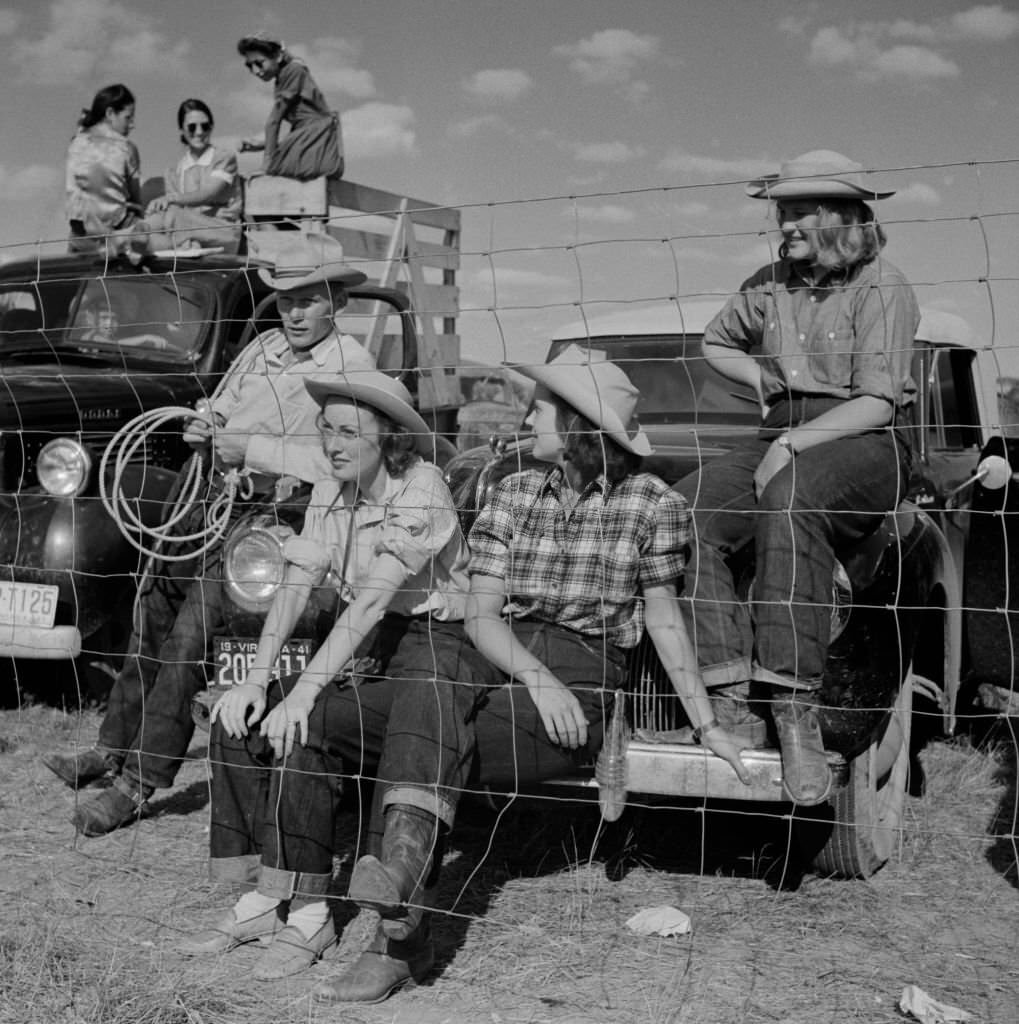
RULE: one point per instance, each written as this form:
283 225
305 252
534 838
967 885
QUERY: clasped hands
240 710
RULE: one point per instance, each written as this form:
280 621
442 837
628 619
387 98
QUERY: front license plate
28 604
235 656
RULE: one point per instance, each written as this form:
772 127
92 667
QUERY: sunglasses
197 126
255 65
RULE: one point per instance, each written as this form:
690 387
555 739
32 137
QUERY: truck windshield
152 315
676 383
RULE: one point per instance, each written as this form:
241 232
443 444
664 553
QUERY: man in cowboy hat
262 422
824 337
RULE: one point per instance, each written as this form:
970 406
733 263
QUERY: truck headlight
254 566
64 467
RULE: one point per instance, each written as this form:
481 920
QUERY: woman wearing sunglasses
313 146
202 203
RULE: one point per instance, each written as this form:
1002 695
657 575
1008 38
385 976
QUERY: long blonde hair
847 234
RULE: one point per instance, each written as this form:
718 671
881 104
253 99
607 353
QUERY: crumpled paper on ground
667 921
916 1002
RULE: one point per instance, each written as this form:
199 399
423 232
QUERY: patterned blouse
103 176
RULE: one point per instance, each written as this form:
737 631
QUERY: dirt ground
536 931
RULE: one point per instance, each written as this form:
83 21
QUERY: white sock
307 919
252 904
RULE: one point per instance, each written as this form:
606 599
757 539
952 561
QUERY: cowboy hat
597 389
379 392
819 174
310 259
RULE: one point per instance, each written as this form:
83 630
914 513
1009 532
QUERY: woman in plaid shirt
568 566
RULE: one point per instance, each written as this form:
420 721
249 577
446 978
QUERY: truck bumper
59 643
682 770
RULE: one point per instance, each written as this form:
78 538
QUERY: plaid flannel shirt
583 572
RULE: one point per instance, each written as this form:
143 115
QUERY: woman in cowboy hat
383 528
824 336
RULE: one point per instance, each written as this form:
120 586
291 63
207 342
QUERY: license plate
28 604
234 657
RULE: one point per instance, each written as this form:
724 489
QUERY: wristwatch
783 441
698 733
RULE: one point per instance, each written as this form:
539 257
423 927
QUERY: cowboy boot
806 775
81 767
401 876
122 804
386 965
737 713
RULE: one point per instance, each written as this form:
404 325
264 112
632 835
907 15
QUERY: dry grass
536 933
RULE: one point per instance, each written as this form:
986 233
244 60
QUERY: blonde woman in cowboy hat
824 336
265 426
384 526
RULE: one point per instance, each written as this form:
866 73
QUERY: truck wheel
866 815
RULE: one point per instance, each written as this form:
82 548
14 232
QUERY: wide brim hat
310 259
597 389
819 174
381 393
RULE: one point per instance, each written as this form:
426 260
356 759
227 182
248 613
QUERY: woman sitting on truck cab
824 336
202 202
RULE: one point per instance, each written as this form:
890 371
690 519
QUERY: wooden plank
369 245
436 299
270 196
366 199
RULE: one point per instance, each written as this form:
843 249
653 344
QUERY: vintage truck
87 345
921 609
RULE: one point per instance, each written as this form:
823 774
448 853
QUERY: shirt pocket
830 358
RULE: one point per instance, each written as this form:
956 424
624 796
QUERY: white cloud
904 49
606 213
9 21
607 152
474 125
710 168
985 23
609 56
87 38
515 279
333 63
378 129
32 182
498 84
919 192
690 208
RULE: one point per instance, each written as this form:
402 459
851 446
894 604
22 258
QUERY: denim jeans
829 495
409 731
513 749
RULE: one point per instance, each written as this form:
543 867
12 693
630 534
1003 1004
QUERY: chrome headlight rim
63 467
254 544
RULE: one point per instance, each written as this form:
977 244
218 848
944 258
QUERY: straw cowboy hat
379 392
819 174
598 390
310 259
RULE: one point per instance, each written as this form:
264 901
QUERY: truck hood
72 398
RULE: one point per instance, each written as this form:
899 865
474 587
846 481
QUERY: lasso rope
152 541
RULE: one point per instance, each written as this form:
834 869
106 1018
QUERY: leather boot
806 776
385 966
122 804
400 877
738 714
81 767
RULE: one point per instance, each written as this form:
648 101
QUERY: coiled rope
152 541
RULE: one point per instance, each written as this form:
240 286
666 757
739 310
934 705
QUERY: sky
597 150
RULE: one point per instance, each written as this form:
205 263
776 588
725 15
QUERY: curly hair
398 445
590 450
847 234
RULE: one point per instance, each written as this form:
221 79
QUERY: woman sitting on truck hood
385 528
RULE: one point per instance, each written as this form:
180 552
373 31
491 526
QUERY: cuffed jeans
829 495
410 731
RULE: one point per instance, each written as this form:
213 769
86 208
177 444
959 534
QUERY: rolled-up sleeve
490 537
663 556
420 521
739 324
885 320
309 555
